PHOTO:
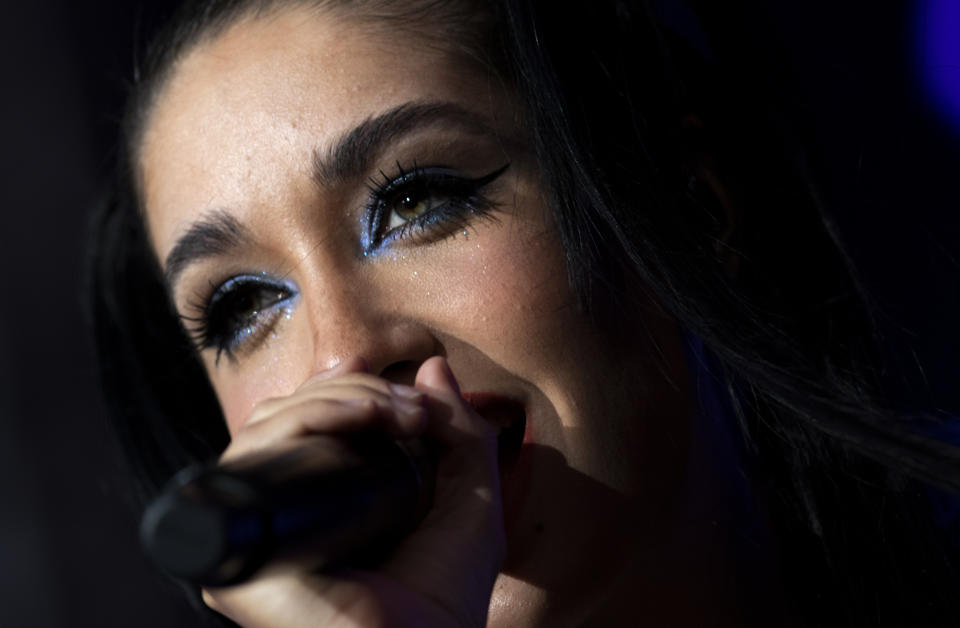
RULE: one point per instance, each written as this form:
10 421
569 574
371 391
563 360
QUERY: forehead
241 115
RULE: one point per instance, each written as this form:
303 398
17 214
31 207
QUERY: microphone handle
320 503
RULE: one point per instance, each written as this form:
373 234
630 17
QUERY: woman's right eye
239 312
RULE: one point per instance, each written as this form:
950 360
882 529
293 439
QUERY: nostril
403 372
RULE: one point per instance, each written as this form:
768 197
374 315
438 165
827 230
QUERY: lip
513 448
496 408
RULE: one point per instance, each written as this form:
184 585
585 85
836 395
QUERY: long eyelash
379 189
198 327
203 329
464 201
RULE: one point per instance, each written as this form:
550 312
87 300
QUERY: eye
240 311
411 206
426 202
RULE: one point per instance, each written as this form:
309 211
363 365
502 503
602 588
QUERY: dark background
861 82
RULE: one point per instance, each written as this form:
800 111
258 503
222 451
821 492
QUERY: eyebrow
348 158
216 233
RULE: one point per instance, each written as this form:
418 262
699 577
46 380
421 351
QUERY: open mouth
508 415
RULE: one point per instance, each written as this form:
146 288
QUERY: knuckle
366 404
329 415
316 409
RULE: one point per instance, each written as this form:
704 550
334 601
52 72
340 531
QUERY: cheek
275 371
502 289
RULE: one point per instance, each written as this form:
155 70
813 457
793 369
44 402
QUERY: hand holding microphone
318 502
370 447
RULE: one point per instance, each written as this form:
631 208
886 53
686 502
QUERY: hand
440 575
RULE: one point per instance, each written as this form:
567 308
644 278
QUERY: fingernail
408 406
406 392
410 412
360 403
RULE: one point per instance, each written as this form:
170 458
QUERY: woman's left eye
425 202
410 207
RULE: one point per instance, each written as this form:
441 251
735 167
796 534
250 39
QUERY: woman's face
318 190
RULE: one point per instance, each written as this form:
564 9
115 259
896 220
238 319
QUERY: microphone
320 503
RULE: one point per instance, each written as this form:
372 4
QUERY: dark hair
605 89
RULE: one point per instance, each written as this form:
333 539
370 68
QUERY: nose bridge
350 318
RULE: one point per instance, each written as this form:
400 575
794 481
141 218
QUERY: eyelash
240 310
244 308
460 200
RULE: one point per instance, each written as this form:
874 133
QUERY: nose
355 324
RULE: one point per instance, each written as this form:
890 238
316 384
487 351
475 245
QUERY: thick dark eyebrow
349 157
216 233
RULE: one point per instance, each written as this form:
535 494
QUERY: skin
605 459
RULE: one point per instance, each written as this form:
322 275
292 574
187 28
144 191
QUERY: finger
292 599
352 364
348 387
401 417
435 374
319 384
285 425
452 418
324 416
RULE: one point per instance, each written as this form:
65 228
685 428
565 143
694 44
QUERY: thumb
435 374
452 420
